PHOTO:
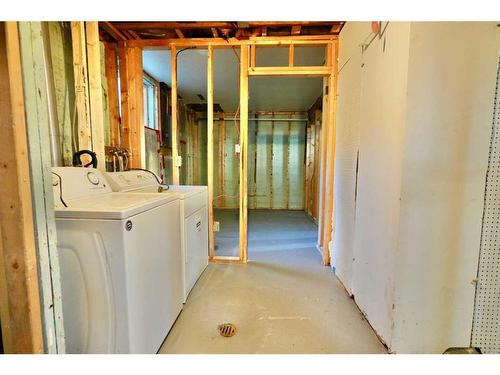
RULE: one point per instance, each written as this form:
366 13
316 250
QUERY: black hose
154 174
60 189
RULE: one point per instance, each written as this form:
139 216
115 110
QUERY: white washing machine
193 217
120 267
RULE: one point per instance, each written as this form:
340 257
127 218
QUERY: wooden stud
214 32
252 56
271 158
38 118
243 201
131 85
174 134
81 85
264 31
302 71
317 164
210 152
291 54
112 78
20 310
324 150
95 92
330 162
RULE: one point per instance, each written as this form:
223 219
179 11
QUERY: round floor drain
227 329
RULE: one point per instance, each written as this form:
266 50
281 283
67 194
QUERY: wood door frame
248 69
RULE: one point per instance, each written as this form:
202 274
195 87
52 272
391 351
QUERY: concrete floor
282 301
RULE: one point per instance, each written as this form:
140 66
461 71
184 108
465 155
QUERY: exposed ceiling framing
122 31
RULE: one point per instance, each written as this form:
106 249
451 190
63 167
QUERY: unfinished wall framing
20 310
252 187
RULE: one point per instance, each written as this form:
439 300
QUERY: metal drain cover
227 329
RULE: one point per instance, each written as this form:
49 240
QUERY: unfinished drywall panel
280 161
346 149
296 161
263 163
450 94
383 111
231 162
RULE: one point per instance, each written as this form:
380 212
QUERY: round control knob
93 179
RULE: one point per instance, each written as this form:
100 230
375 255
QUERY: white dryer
193 217
120 267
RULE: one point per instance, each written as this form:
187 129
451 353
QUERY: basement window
150 97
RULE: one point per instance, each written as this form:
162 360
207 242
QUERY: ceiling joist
125 31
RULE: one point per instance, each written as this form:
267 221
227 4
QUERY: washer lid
111 206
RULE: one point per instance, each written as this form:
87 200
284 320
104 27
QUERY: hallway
280 301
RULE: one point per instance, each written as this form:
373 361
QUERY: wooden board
19 298
243 198
93 48
330 162
81 86
38 123
112 83
210 152
131 85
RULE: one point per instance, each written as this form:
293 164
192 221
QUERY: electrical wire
154 174
60 189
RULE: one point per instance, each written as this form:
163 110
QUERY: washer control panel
78 182
127 180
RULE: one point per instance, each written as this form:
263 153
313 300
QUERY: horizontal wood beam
231 42
304 71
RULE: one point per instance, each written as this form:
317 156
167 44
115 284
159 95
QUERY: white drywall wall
424 115
346 149
382 119
451 84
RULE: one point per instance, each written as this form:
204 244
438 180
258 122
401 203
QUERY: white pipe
55 141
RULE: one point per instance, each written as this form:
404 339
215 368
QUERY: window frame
149 80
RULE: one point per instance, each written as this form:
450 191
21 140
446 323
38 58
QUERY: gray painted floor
267 230
282 301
